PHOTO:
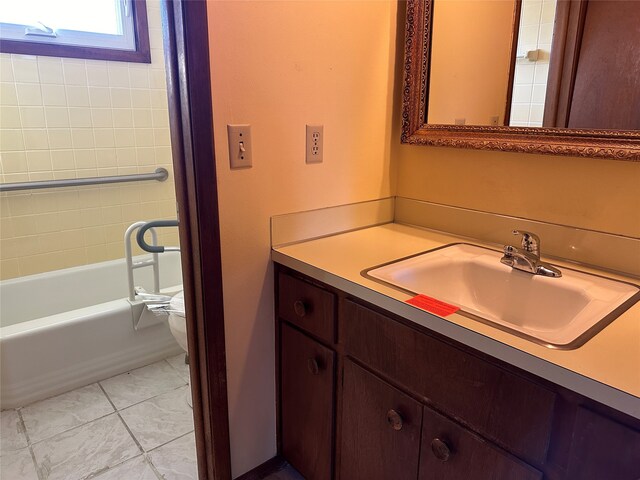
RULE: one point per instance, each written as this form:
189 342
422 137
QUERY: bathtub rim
94 273
73 316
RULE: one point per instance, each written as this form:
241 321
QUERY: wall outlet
240 154
460 121
314 143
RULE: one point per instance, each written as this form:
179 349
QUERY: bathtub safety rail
141 316
155 249
131 265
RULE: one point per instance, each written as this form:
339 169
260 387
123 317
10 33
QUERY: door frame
186 47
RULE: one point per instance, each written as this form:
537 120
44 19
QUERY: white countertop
606 368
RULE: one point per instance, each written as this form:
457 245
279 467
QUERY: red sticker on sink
433 305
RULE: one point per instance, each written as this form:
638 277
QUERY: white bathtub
68 328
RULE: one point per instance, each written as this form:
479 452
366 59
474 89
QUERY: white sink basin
558 312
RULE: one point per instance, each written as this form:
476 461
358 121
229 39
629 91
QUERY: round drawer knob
440 449
300 308
313 366
394 419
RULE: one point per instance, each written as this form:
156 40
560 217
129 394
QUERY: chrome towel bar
161 174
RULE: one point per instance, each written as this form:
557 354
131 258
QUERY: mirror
542 76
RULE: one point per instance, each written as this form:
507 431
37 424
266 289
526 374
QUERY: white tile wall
72 118
530 80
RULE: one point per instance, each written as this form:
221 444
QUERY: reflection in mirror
532 55
534 63
470 62
594 70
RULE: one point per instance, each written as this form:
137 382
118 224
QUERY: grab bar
161 174
155 248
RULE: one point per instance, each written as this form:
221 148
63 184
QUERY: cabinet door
450 452
603 449
502 406
306 402
380 429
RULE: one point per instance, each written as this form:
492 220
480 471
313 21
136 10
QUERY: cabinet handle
394 419
440 450
313 366
300 308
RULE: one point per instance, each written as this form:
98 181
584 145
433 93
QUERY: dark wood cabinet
364 394
307 393
380 429
450 452
603 449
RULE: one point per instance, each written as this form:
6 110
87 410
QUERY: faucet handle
530 241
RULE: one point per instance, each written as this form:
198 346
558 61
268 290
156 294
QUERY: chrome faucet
527 258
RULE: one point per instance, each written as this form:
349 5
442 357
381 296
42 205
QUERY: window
93 29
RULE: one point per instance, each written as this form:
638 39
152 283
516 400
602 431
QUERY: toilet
178 327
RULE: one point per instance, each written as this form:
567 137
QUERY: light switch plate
240 152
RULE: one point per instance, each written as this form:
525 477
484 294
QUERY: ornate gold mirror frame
606 144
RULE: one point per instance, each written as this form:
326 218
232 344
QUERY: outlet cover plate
315 138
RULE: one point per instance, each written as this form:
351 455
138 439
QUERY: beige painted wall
278 65
596 194
470 59
73 118
602 195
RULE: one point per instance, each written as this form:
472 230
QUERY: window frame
142 53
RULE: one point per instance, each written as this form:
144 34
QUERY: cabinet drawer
308 306
450 452
307 377
504 407
603 448
380 429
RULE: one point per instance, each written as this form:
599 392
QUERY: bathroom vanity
370 387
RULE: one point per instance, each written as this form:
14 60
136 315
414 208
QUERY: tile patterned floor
134 426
